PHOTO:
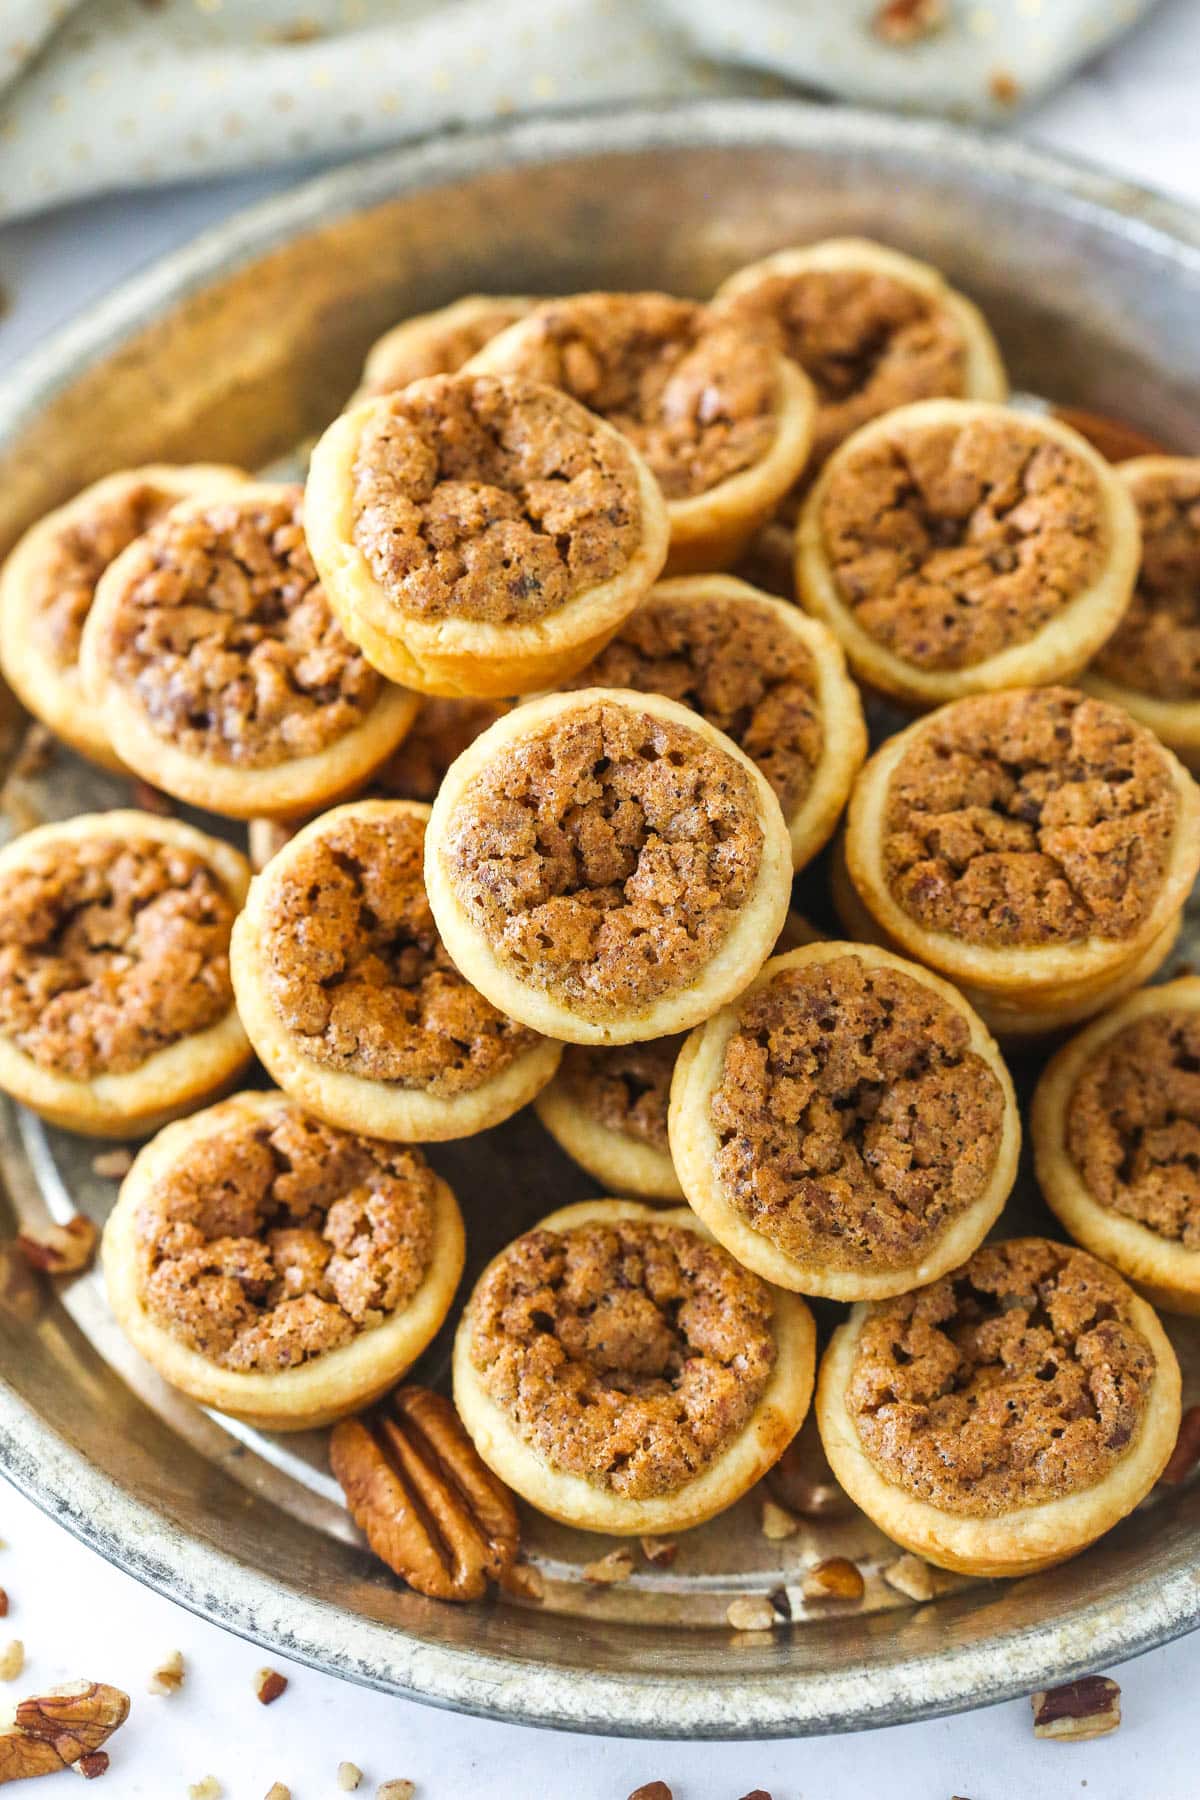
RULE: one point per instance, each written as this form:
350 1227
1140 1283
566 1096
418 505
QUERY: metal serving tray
238 348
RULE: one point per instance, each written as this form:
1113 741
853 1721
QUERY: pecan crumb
914 1578
167 1678
751 1612
524 1582
659 1551
209 1788
93 1764
757 1794
777 1522
908 21
60 1249
1187 1448
112 1165
652 1790
277 1791
395 1790
1081 1709
836 1578
3 1603
349 1775
269 1684
12 1660
616 1566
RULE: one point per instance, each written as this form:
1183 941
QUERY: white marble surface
1137 110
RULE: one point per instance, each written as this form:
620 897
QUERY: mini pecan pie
350 999
437 343
622 1373
847 1126
222 675
481 536
1116 1139
1151 664
1000 1419
723 419
1031 845
49 582
759 670
607 1108
276 1268
607 867
956 547
116 1004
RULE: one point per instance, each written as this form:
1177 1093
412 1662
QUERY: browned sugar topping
696 392
356 970
1133 1125
738 667
1017 1379
278 1238
226 639
630 1354
440 732
110 951
624 1087
605 855
867 342
1156 647
854 1121
950 543
442 349
77 557
1030 817
492 500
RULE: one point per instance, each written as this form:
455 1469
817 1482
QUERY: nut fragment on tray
1081 1709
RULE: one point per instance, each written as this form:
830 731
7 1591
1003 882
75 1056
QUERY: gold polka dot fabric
104 93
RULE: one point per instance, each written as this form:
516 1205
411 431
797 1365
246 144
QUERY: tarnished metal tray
241 346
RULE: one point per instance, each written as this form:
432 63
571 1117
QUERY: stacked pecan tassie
531 763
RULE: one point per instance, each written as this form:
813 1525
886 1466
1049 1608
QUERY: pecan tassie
430 1508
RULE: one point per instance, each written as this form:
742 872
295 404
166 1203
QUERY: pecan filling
1156 647
631 1354
1031 817
606 854
279 1239
110 951
854 1120
696 392
78 557
492 500
949 543
1018 1379
442 350
623 1087
226 640
1133 1125
731 662
358 974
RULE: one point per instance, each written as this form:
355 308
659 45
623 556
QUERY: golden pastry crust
48 583
481 536
860 1231
873 329
350 999
1151 664
665 865
760 670
304 1391
1014 1539
437 343
185 908
957 547
219 670
1133 1071
607 1108
723 420
1096 884
731 1467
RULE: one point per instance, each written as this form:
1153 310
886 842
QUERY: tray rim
217 1585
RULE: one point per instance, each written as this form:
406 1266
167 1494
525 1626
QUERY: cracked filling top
1133 1125
440 348
111 950
438 735
853 1119
1018 1379
631 1354
623 1087
866 341
227 642
1156 647
491 499
696 392
357 972
605 855
731 661
1030 817
278 1238
951 542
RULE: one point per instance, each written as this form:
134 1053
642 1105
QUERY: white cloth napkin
104 93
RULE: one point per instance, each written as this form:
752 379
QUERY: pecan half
430 1507
62 1726
1081 1709
60 1249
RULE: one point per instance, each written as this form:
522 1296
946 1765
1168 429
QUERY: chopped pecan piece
916 1579
3 1603
396 1790
349 1777
660 1551
94 1764
60 1249
607 1570
1081 1709
524 1582
751 1612
277 1791
1187 1449
167 1678
907 21
777 1522
652 1790
208 1788
430 1507
12 1660
269 1684
837 1578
